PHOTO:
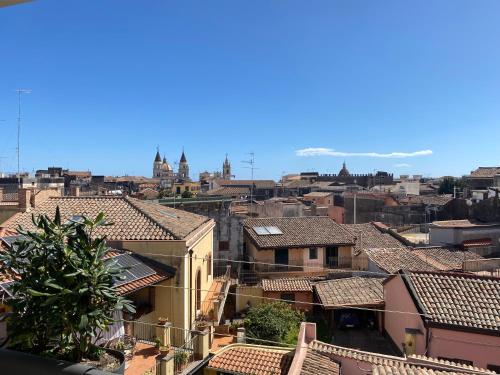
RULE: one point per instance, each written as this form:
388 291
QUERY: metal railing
184 355
146 332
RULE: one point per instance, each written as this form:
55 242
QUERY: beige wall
242 296
174 302
299 256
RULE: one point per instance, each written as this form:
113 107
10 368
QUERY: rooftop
351 291
317 363
132 219
446 258
298 232
252 360
458 299
459 224
485 172
292 284
368 236
392 260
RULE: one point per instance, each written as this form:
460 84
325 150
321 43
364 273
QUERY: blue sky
303 84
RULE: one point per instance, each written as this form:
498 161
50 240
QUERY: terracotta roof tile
369 236
488 172
317 363
445 258
458 299
287 285
252 360
350 291
298 232
392 260
133 219
407 369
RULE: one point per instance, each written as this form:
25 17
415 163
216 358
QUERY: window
209 265
223 245
313 253
288 297
198 291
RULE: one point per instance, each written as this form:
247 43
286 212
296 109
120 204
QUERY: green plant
157 342
276 321
181 357
186 194
65 297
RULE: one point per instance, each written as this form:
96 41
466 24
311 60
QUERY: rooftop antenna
252 167
19 94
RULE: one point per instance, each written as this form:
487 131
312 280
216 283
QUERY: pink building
451 316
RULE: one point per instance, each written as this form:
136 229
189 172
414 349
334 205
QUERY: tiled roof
407 369
317 363
252 360
133 219
368 237
488 172
477 242
458 299
230 191
318 194
445 258
460 224
335 351
350 291
291 284
392 260
382 361
436 200
299 232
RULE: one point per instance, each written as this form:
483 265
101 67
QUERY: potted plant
180 358
65 296
162 321
164 350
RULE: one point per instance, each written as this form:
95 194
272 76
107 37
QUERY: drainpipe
190 286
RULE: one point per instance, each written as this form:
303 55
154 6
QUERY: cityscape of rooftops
249 188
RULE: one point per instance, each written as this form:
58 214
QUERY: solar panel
274 230
261 231
134 269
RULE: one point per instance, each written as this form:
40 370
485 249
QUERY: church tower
183 168
226 169
157 164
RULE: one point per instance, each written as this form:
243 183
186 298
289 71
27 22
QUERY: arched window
198 290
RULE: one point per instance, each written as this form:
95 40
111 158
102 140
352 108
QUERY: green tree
449 183
65 295
187 194
276 321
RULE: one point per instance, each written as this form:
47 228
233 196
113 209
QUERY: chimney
75 191
24 196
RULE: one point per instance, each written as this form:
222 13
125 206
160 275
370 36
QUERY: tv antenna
18 149
252 167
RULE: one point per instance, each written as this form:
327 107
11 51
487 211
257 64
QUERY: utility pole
19 93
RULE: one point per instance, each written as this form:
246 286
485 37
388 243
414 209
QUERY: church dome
165 166
344 171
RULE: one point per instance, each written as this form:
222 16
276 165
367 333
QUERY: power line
214 333
274 264
288 301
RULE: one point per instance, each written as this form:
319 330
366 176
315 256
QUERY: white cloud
402 165
321 151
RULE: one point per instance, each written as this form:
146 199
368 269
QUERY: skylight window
266 231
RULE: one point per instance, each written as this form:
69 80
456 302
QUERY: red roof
477 242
